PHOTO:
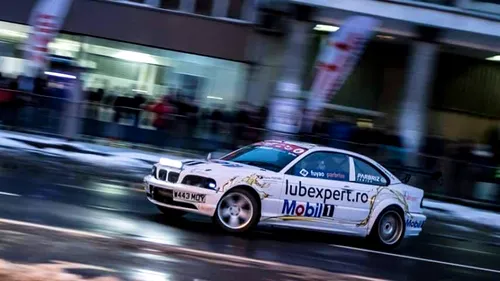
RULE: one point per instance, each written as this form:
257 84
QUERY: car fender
379 207
258 182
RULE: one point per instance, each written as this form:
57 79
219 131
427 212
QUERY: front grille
153 172
162 175
166 196
173 177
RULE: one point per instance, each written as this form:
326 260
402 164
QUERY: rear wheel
171 213
388 230
238 211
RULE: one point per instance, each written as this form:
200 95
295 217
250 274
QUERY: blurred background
200 75
123 83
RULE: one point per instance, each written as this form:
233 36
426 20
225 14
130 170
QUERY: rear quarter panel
405 197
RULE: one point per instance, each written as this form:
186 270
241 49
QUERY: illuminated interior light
135 57
214 98
61 75
386 37
494 58
12 33
326 28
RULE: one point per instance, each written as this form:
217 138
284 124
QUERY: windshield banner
335 62
295 149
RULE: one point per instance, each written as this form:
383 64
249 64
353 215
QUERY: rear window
367 174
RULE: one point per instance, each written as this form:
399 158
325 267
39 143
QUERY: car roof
305 145
314 147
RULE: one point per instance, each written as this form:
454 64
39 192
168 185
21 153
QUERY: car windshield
266 157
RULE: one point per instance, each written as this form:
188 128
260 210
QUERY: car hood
219 168
229 174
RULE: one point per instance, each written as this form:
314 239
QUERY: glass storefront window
129 68
170 4
235 9
203 7
155 71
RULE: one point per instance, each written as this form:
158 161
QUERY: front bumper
182 197
414 224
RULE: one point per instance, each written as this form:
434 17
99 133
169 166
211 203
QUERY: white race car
291 184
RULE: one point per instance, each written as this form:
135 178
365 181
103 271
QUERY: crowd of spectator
42 105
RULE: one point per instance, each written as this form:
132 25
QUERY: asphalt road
446 250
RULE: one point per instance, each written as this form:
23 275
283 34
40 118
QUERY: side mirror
209 156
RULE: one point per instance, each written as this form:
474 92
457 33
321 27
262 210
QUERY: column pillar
219 8
248 10
290 83
286 107
418 87
187 6
154 3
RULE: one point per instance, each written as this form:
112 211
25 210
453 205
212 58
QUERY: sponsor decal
316 210
272 178
189 197
325 193
336 175
414 224
293 149
332 175
206 208
408 197
304 173
367 178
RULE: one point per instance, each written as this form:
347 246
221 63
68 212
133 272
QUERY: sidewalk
461 222
96 153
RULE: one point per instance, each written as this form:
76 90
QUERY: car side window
323 165
367 174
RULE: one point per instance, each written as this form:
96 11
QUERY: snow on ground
119 157
488 218
5 142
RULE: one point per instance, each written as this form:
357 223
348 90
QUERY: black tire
391 217
247 205
171 213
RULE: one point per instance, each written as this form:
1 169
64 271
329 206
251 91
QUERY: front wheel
238 211
171 213
388 230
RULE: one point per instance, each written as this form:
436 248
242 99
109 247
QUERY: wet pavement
142 244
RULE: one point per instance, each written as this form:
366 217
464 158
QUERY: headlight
199 181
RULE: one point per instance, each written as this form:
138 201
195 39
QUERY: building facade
431 68
146 46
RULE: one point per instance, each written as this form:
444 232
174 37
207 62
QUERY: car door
314 187
364 183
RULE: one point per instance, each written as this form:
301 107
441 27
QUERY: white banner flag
46 20
335 62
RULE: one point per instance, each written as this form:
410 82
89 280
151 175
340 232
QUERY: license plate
189 197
